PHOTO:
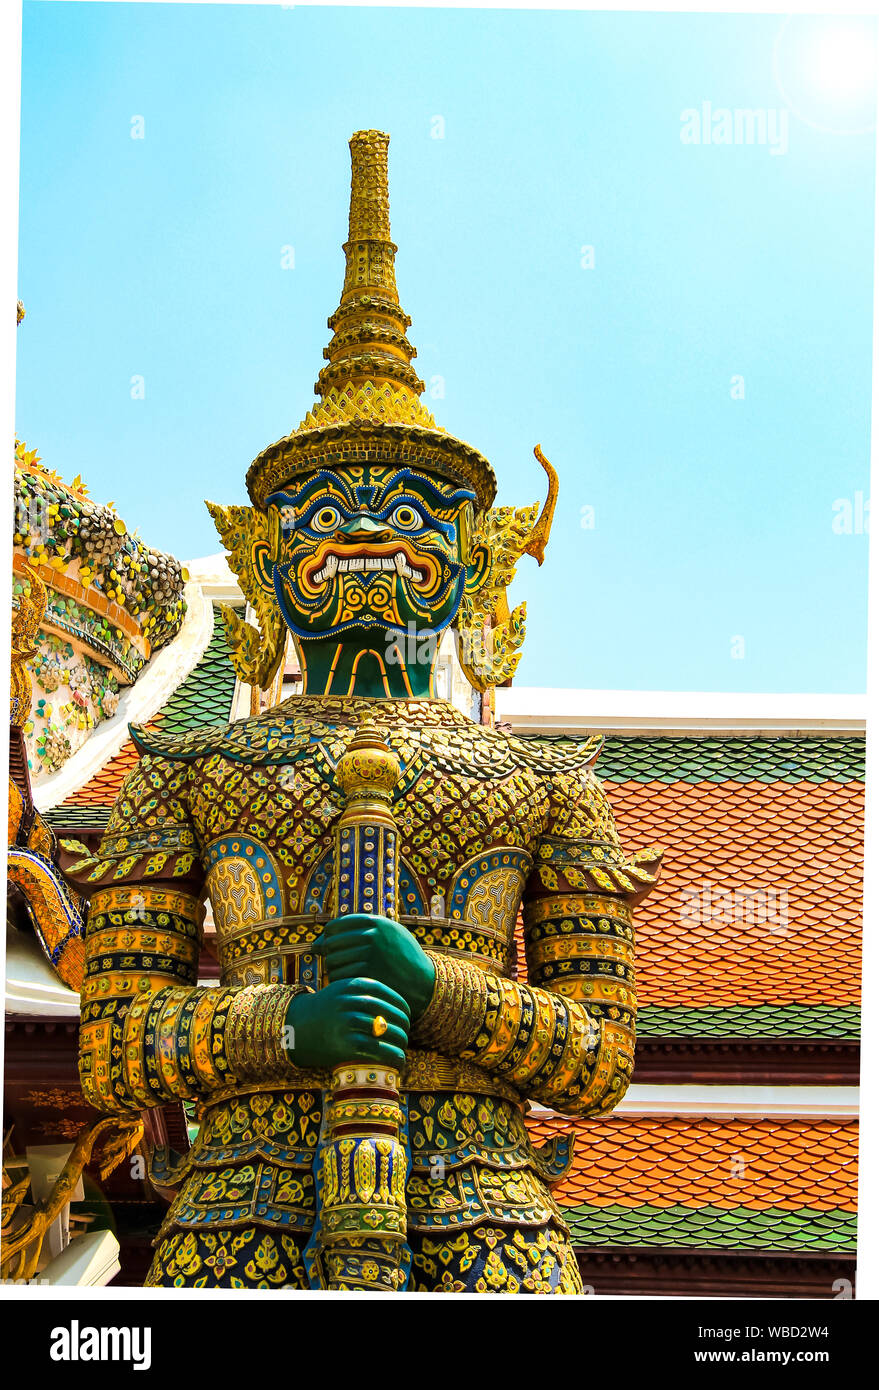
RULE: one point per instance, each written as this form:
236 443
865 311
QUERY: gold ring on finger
379 1026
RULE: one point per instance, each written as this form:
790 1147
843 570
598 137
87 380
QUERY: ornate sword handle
362 1161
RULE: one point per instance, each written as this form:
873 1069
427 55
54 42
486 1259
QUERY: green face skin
371 565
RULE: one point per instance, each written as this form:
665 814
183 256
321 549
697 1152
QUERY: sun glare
840 63
826 70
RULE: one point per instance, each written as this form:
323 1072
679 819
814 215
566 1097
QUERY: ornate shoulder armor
551 756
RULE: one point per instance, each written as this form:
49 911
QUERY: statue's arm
566 1038
149 1034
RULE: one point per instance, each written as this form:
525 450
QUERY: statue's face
369 548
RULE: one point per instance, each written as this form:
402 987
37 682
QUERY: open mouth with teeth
335 587
329 561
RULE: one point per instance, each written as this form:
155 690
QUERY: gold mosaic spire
369 372
369 392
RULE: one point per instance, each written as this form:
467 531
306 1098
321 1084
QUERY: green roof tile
205 696
741 759
714 1228
78 817
770 1021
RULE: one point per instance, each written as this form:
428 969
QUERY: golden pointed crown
370 406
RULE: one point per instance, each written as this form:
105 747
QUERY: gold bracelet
254 1033
457 1006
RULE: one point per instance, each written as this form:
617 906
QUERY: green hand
334 1025
378 949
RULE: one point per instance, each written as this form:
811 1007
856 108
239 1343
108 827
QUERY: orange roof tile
103 788
782 1164
800 841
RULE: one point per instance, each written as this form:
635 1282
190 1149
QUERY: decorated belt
424 1071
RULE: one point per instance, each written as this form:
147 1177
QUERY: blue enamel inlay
255 854
485 864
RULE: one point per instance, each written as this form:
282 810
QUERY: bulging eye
405 518
326 519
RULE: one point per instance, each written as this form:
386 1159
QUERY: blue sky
713 562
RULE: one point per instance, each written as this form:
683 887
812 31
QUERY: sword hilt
363 1161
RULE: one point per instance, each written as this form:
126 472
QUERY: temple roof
706 1183
779 819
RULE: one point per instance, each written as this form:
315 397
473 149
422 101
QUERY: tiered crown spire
369 391
369 339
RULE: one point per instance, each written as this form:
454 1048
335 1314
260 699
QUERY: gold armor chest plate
469 814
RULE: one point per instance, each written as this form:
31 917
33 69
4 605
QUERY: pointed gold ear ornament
490 637
539 537
247 535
